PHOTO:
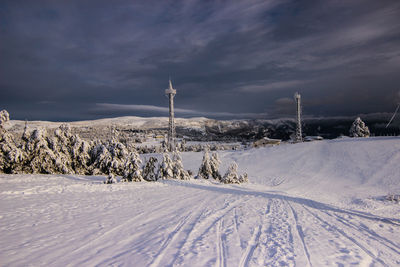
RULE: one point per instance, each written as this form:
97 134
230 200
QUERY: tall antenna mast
171 92
299 135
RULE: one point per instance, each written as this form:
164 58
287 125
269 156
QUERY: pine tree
108 158
132 169
205 170
214 164
166 168
178 170
243 178
231 176
359 129
40 158
11 156
149 172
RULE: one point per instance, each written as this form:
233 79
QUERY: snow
307 204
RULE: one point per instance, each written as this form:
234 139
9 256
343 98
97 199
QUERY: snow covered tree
214 164
72 152
205 170
132 169
243 178
100 159
110 179
108 158
359 129
178 170
231 176
40 158
166 168
4 117
149 171
11 156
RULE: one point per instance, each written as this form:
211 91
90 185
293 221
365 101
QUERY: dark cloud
58 59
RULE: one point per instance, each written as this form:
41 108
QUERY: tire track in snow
214 218
179 253
300 232
171 237
201 227
255 237
351 239
252 245
372 234
103 237
220 246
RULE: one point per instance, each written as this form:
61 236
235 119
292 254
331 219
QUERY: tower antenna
299 135
171 92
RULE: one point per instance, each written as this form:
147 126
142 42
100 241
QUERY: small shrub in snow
243 178
232 177
178 170
110 179
205 170
166 168
149 171
359 129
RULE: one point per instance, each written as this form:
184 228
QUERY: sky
80 59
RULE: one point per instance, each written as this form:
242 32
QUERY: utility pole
299 135
171 92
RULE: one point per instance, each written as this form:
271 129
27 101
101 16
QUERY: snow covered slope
310 204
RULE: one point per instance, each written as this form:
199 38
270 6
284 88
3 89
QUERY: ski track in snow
77 221
225 226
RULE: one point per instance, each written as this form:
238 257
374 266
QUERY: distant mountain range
204 129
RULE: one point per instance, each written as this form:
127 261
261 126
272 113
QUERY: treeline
66 153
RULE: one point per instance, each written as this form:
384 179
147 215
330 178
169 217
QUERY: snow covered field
308 204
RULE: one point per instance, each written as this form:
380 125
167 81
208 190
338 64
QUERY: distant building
266 141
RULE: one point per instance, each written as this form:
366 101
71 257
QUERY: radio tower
299 136
171 92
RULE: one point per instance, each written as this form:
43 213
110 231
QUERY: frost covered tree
4 117
166 168
132 168
149 171
231 176
205 170
73 153
178 170
359 129
108 158
243 178
214 164
11 156
40 158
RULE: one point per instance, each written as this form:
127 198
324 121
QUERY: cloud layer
227 59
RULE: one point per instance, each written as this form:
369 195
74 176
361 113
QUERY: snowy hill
308 204
205 129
